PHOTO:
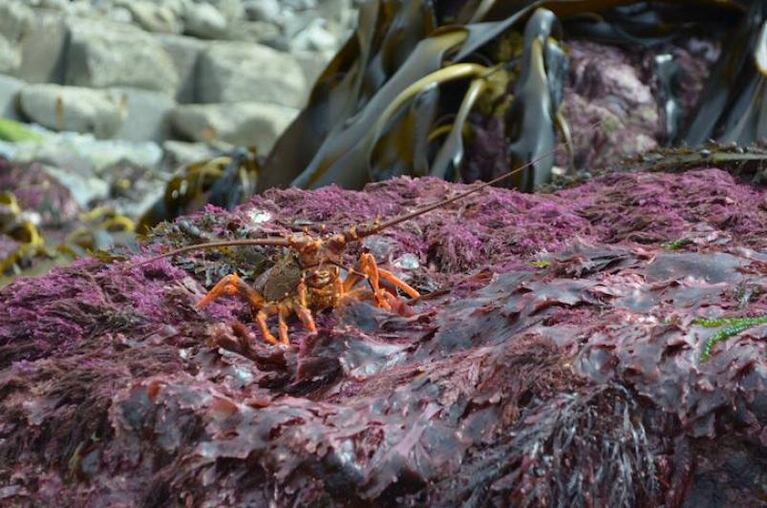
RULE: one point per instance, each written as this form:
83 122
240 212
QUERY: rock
147 115
520 382
237 72
205 21
155 17
244 123
230 9
261 32
314 37
10 56
59 5
43 48
177 153
15 19
9 96
72 109
313 63
263 10
103 54
340 11
184 52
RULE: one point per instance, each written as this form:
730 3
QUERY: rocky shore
157 83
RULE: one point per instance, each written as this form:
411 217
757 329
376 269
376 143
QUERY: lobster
317 284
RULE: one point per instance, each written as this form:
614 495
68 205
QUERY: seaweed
578 383
730 328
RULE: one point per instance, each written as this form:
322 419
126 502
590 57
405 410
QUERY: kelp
344 157
734 104
403 94
225 181
41 225
352 133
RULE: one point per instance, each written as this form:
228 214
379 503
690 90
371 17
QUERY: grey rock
246 123
261 32
184 52
315 36
340 11
236 72
263 10
119 14
43 48
103 54
10 56
155 17
177 153
72 109
205 21
9 95
15 18
313 63
231 9
59 5
147 114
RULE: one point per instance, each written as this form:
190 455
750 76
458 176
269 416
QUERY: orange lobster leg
369 267
261 316
398 283
232 285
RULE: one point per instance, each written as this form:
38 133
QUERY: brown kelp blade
342 158
734 102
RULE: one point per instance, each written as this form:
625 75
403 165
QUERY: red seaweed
555 359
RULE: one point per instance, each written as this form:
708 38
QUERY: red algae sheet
556 358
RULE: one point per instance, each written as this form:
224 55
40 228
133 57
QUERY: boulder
10 56
263 10
231 9
313 63
103 54
205 21
558 363
261 32
177 153
43 48
244 123
9 96
237 72
316 35
15 19
147 114
185 53
155 17
72 109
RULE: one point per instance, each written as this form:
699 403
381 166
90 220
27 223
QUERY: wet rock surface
555 359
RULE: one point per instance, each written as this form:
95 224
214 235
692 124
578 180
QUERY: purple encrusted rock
554 359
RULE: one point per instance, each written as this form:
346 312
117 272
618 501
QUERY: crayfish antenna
276 242
377 226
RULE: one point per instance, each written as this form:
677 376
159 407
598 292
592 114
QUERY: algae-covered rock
555 358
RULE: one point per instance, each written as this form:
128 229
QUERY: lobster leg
301 309
232 285
282 313
369 267
398 283
261 316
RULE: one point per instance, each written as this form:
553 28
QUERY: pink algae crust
554 359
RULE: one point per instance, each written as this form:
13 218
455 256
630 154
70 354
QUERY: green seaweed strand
732 327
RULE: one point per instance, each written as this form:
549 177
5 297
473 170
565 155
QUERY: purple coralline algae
554 359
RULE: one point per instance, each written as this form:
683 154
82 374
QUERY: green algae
730 328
